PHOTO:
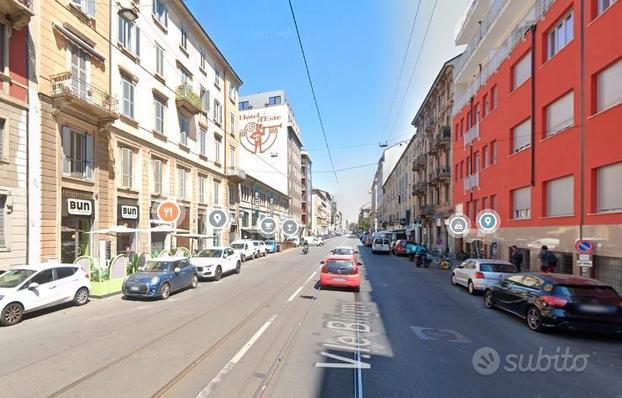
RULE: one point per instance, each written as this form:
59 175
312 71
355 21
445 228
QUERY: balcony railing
236 174
84 96
471 182
427 210
188 99
442 174
18 12
419 188
471 134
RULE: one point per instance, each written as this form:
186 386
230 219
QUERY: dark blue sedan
159 277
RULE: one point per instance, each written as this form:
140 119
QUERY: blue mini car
159 277
273 246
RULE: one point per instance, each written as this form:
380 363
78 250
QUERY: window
129 35
216 192
65 272
184 39
159 66
231 156
217 112
80 61
457 172
86 6
493 202
217 77
181 183
159 115
126 167
609 87
184 129
244 105
157 170
521 136
202 188
486 106
274 100
77 154
493 152
43 277
204 100
3 135
521 71
461 169
232 122
609 194
4 49
484 203
603 5
560 197
484 156
476 162
561 35
493 97
160 12
127 99
521 203
184 76
232 92
217 145
203 60
560 114
203 142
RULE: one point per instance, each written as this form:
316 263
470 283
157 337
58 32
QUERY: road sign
217 218
585 257
584 263
290 227
168 211
268 226
488 221
584 246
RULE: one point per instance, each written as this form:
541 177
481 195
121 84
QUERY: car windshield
210 253
238 246
158 266
269 242
343 251
14 277
506 268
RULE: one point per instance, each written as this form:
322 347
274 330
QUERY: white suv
31 287
381 245
262 249
245 248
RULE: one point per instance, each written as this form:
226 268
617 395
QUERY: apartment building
258 201
537 102
321 221
386 163
307 190
397 207
431 162
14 85
271 145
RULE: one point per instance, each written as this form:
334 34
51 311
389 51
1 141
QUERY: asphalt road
271 332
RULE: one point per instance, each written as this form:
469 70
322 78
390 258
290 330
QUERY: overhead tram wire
412 72
317 107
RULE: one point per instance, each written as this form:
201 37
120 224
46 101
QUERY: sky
355 49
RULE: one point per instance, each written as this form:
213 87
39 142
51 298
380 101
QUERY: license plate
596 309
134 288
338 280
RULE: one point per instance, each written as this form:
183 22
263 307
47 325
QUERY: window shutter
521 71
610 86
121 22
90 8
66 141
560 114
560 197
609 192
137 49
521 135
521 202
2 221
89 155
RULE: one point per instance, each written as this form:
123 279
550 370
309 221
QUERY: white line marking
293 296
310 277
207 390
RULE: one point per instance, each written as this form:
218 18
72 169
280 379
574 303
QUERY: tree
365 224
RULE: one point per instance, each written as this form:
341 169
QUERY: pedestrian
516 258
548 260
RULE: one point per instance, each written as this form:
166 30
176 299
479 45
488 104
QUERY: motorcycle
305 249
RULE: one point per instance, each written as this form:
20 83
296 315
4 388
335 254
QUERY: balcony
471 182
471 134
18 12
71 92
444 137
420 160
442 175
236 174
427 211
187 99
419 188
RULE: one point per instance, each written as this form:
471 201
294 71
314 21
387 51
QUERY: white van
381 245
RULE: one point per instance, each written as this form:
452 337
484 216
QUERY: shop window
560 197
609 194
77 154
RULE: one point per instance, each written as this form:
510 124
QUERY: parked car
160 277
262 250
369 240
32 287
340 271
245 249
273 246
214 262
477 274
293 240
558 301
401 247
381 245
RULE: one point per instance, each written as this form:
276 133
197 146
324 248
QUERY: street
270 331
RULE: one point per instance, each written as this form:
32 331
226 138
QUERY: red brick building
537 128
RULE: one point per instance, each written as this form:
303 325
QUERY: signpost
584 246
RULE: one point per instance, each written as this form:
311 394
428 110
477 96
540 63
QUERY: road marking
446 335
310 277
206 391
293 296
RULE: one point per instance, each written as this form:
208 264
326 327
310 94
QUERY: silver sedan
477 274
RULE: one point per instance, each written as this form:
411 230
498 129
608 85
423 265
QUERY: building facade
307 191
271 145
397 208
431 163
538 96
322 212
258 201
14 90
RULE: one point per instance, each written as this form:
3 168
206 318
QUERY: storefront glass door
75 239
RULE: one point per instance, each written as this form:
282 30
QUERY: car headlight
155 279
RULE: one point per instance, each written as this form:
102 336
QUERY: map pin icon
488 221
217 218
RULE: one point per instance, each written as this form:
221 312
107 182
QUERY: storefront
127 216
78 216
183 224
158 238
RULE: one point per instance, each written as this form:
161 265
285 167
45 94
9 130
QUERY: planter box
106 288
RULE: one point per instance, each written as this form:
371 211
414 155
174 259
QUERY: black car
558 301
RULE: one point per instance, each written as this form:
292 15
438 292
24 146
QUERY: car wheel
453 279
81 297
534 319
489 301
12 314
238 267
217 274
195 282
471 288
165 291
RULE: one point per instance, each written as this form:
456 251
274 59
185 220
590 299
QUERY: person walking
548 260
516 258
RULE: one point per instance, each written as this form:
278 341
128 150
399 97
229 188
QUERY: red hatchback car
340 271
400 248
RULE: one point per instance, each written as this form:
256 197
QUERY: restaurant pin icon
217 218
268 226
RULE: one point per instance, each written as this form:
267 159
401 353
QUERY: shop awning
116 229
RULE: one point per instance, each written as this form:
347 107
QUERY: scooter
305 249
